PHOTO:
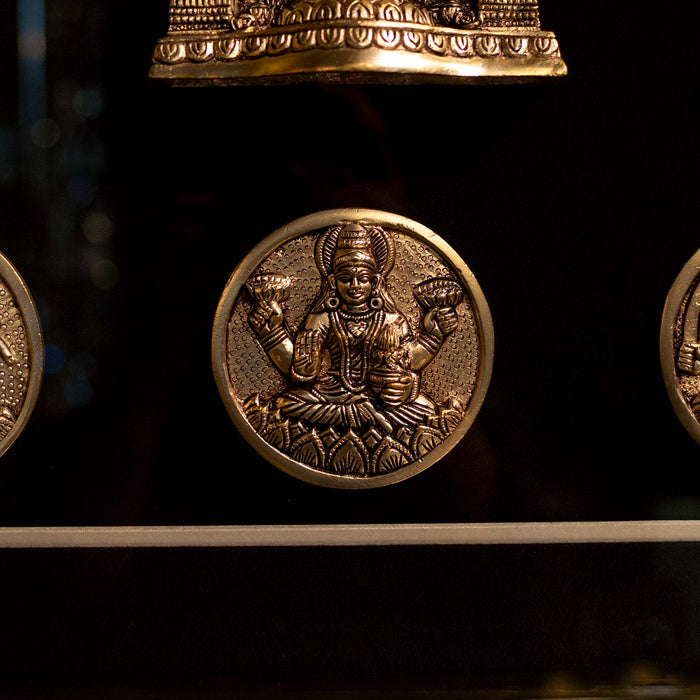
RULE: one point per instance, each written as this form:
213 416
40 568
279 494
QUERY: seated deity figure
354 363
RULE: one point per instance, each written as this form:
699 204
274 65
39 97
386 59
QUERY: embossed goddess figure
354 365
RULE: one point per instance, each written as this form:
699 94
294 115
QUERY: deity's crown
354 235
354 247
353 243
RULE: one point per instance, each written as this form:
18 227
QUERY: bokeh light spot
97 228
104 274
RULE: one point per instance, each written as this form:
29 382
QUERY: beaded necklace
341 333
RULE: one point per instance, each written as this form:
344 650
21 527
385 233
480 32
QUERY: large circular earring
376 302
332 302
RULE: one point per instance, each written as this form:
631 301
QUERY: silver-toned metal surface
680 345
388 41
21 354
352 348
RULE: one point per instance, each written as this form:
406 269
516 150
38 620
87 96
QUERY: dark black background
574 204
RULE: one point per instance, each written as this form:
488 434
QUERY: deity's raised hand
307 353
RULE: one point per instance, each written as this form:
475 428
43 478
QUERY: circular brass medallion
21 354
352 348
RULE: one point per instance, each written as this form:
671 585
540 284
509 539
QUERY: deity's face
354 284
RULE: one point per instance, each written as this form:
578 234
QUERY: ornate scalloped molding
360 34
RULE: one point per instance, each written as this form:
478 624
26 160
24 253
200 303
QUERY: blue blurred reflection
54 360
31 42
31 47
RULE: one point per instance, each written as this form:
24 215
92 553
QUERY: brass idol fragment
388 41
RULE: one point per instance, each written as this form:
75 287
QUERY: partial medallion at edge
353 348
21 354
680 345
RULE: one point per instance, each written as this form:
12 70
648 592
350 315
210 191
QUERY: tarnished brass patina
21 354
387 41
680 345
352 348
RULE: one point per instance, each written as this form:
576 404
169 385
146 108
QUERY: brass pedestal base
403 54
373 41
